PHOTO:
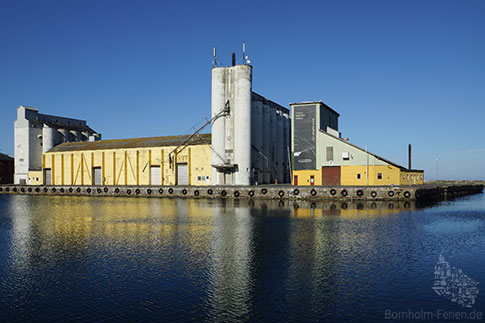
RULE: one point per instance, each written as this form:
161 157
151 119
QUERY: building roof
374 155
315 102
201 139
5 157
262 98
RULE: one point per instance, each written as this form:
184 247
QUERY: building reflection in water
241 253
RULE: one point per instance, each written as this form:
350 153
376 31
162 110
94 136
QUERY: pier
430 192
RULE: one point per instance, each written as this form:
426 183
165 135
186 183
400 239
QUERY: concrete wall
128 166
250 143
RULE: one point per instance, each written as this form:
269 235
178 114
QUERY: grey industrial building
36 133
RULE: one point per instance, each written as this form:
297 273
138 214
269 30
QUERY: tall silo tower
231 133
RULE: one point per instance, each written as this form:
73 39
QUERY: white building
250 134
36 133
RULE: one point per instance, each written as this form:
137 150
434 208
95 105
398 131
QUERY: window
345 155
379 175
329 153
358 176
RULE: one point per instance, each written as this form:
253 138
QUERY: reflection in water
225 260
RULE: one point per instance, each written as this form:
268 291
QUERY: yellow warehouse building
140 161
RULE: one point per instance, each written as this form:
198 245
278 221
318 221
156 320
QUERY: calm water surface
148 259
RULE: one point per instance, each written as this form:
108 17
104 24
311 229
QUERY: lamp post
436 169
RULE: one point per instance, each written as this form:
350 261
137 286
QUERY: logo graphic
453 284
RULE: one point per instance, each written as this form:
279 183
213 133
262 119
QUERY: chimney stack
409 156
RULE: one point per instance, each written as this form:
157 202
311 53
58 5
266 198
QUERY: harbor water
77 258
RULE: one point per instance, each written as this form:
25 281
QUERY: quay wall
418 193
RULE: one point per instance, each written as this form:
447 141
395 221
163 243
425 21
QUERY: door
312 180
331 175
47 176
98 178
182 174
295 180
155 175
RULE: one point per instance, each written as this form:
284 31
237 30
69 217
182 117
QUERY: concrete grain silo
248 137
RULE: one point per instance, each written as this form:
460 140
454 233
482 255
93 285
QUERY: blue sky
398 72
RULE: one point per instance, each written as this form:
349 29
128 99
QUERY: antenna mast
214 62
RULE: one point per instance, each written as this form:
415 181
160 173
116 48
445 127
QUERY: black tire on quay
360 192
170 190
236 194
407 194
223 193
106 190
373 194
184 191
196 193
296 191
117 190
53 189
88 190
281 193
70 189
160 191
390 193
98 190
313 192
333 191
149 191
78 190
264 191
344 193
251 193
128 192
209 191
137 191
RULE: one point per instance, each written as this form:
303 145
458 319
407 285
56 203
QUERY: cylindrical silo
218 101
280 157
258 160
266 143
242 123
48 138
64 135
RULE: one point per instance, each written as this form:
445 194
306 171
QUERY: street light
436 168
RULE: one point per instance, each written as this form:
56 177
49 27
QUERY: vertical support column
162 168
126 167
92 168
72 168
62 169
137 167
102 167
82 168
114 168
53 171
189 166
149 165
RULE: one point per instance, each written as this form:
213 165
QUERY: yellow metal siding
390 175
304 176
128 166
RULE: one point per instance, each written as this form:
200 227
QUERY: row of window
412 177
379 176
